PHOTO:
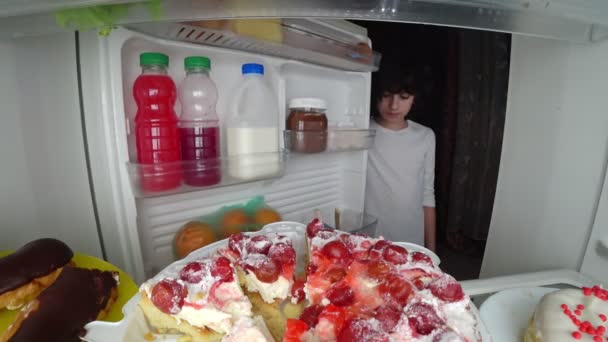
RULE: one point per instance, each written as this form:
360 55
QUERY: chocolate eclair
59 313
31 269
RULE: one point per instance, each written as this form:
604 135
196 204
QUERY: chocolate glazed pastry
59 313
30 270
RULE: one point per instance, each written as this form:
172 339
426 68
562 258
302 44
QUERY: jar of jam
307 125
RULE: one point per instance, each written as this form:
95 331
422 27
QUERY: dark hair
392 80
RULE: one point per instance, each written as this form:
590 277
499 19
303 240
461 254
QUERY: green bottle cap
153 58
197 62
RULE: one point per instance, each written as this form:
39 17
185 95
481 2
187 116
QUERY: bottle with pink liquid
156 133
199 124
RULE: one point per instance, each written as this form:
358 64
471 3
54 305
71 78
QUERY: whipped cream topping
268 291
249 330
209 303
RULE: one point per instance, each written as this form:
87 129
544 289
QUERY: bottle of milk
252 128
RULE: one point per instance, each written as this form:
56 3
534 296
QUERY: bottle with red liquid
156 131
199 124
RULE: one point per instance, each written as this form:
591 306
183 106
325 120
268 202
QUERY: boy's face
393 108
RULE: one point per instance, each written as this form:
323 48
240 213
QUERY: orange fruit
265 216
192 236
234 221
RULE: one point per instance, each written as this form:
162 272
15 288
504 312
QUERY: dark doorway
463 78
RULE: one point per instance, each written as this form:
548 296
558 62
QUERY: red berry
295 328
388 316
447 289
297 290
282 253
168 295
341 295
193 272
236 242
337 251
311 269
361 330
422 318
376 251
378 269
346 239
334 315
580 307
396 288
603 317
314 227
577 335
221 268
395 254
310 315
259 244
597 338
267 271
422 258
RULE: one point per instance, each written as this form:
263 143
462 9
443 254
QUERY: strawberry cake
570 315
355 288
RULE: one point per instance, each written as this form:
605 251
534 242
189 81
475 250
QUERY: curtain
482 80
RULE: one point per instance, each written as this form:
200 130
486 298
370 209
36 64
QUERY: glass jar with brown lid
307 125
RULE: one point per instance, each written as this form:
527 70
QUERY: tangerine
265 216
192 236
233 222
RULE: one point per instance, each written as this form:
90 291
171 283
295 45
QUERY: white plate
507 313
134 326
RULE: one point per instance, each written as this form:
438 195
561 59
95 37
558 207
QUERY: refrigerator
66 104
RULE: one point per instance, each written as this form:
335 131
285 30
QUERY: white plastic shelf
290 41
333 140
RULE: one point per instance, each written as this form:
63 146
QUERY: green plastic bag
102 17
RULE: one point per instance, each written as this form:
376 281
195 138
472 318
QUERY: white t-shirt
400 181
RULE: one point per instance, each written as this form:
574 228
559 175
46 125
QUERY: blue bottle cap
252 68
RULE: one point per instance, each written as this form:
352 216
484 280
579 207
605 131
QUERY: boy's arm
428 202
429 228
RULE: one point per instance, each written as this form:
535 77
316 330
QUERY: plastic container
199 123
267 166
253 124
307 115
338 140
156 132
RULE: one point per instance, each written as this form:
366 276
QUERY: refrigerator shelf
300 40
334 140
153 180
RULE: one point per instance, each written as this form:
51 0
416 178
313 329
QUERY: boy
400 188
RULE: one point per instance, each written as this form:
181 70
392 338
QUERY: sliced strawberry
422 258
333 318
361 330
348 242
341 294
310 315
422 318
396 288
259 244
378 269
295 329
297 290
168 295
375 252
447 289
193 272
335 274
388 316
394 254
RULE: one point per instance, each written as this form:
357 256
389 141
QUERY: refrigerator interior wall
596 256
553 158
142 230
44 185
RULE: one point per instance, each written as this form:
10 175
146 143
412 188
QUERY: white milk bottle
253 128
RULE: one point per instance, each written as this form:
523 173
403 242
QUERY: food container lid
308 102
